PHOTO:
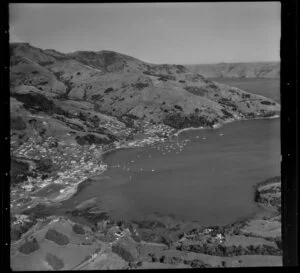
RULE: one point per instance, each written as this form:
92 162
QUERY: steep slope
238 70
118 85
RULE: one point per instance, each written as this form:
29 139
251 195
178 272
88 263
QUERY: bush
56 237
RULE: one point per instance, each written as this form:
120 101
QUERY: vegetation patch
198 91
39 102
90 139
45 165
264 102
108 90
29 247
178 107
178 121
78 229
18 172
140 85
57 237
226 113
96 97
55 262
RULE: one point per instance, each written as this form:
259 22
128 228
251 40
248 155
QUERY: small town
70 163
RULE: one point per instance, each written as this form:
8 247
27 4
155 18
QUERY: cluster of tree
17 230
265 102
228 251
198 91
38 102
90 139
140 85
57 237
108 90
17 123
19 171
161 77
55 262
226 113
44 165
178 121
29 246
78 229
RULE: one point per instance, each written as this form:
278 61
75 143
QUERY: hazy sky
179 33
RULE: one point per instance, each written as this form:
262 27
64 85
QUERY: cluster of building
117 128
161 129
72 164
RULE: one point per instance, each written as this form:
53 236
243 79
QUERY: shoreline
74 190
219 125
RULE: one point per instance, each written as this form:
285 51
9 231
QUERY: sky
178 33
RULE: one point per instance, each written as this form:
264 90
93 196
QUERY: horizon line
200 63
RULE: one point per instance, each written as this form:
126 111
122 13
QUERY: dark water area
203 175
269 88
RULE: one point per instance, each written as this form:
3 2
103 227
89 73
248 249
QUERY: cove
204 175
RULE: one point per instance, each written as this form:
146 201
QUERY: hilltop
238 70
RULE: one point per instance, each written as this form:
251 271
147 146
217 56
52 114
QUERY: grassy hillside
71 95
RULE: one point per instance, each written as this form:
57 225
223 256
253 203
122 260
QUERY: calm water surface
266 87
203 175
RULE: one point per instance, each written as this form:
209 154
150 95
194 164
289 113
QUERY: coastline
219 125
73 190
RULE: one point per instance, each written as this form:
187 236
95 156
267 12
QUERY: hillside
78 91
238 70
